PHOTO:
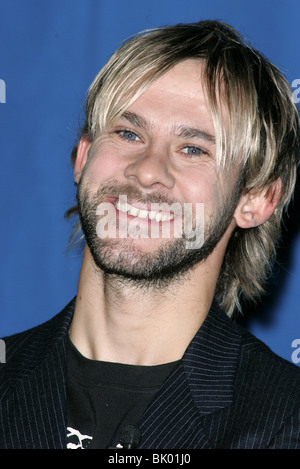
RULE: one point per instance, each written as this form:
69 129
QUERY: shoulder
265 407
24 350
268 383
257 357
261 374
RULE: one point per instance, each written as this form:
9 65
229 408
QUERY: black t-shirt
104 397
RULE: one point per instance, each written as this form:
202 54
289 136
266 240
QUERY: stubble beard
122 260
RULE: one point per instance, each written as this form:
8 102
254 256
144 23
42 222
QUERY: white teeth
135 212
152 215
142 213
122 206
158 216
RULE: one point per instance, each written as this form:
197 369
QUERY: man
185 165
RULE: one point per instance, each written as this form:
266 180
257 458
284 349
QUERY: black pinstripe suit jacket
229 391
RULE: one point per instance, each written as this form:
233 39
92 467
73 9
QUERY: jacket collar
210 361
200 385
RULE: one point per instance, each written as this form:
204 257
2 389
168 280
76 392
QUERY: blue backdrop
50 50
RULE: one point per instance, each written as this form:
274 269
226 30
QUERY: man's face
160 151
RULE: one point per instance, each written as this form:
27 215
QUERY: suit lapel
211 361
33 405
200 385
38 405
173 420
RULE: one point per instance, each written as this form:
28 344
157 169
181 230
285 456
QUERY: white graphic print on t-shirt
76 439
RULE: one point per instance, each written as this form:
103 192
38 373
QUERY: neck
120 322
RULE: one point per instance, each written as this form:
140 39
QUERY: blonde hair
263 129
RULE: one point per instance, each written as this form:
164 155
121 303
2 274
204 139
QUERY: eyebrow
182 131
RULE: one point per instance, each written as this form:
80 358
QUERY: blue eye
128 135
191 150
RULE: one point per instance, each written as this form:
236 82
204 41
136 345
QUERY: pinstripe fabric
32 386
229 391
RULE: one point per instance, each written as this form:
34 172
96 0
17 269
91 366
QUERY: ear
81 157
256 207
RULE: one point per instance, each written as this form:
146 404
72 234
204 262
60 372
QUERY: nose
152 169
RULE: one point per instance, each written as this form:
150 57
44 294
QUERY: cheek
202 189
103 166
204 195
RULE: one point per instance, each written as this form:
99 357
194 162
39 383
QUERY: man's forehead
183 78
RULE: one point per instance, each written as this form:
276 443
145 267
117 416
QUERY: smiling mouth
154 215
